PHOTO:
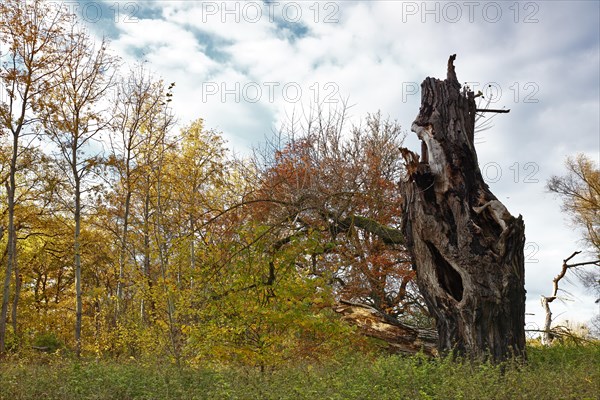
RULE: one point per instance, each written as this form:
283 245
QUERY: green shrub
48 342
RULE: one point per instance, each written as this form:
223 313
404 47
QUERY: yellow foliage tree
579 190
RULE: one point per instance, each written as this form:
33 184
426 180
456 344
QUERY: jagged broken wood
400 338
467 248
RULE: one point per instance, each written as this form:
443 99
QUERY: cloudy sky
246 66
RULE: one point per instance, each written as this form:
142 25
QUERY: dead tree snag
466 247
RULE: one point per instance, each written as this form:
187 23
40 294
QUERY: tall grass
560 372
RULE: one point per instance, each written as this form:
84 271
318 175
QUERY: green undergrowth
559 372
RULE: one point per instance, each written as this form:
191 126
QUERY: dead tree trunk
466 247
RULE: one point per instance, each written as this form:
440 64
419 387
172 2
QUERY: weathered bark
466 247
401 338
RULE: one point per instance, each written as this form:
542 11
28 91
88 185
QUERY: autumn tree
73 119
138 99
187 193
198 172
579 190
255 300
342 184
36 180
155 143
334 188
30 35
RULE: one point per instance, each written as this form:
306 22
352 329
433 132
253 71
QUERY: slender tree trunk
467 248
77 247
161 242
18 284
192 251
7 276
97 322
122 257
146 262
12 236
76 237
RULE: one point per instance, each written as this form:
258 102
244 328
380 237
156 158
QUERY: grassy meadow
558 372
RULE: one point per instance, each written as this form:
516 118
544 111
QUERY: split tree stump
467 248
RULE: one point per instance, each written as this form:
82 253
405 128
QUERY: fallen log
400 338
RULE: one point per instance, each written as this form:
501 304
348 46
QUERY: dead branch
549 334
